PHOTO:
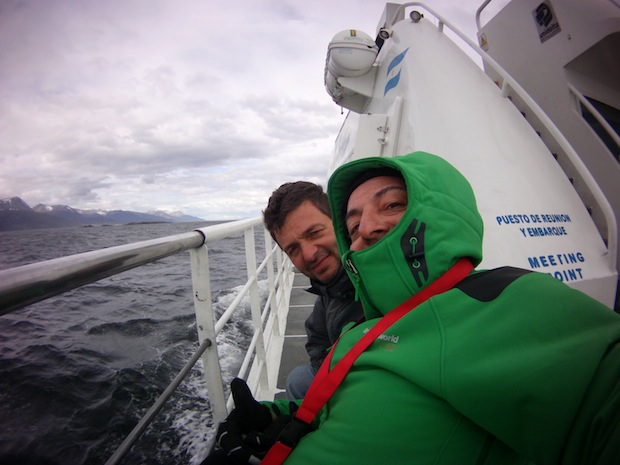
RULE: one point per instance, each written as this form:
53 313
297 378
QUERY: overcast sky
193 105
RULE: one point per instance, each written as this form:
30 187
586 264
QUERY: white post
250 256
285 275
272 284
201 283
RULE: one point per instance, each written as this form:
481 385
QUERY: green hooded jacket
508 367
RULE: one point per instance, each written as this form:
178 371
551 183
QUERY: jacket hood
441 225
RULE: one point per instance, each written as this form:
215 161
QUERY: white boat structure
521 131
529 115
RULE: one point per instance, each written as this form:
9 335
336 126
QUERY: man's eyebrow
304 234
310 228
351 213
377 195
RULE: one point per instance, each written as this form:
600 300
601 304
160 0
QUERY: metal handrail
22 286
591 108
510 82
479 11
27 284
597 114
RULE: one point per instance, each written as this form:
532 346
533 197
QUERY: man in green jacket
506 366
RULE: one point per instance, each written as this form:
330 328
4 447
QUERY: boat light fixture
416 16
385 33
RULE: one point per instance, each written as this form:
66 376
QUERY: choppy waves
78 371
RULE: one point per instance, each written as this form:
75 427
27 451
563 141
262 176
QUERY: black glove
263 440
253 416
231 445
249 431
248 417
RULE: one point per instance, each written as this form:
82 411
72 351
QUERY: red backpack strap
327 381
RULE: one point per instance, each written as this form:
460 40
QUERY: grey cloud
196 103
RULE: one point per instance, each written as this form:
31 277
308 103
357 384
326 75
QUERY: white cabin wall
585 57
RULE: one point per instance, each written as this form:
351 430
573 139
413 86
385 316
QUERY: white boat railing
600 119
28 284
508 85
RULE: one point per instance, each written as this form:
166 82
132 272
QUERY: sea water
79 370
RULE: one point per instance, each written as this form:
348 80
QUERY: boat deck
294 351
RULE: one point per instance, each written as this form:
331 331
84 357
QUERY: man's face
374 209
307 237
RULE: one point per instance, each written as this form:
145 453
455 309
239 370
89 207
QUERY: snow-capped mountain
14 203
15 214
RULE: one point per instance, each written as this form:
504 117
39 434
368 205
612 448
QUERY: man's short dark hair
287 198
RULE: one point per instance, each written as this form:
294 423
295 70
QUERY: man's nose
308 250
370 230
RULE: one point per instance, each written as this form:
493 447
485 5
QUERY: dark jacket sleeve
318 339
325 324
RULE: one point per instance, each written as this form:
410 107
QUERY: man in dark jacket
299 220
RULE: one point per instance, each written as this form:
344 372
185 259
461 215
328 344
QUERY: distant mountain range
15 214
